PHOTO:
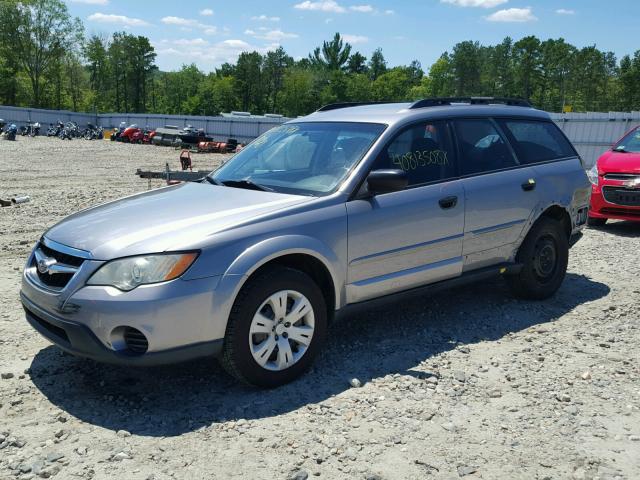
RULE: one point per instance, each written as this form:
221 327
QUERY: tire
544 255
240 350
596 222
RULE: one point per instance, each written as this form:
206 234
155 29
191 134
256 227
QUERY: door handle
529 185
448 202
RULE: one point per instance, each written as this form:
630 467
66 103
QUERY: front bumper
181 319
79 340
601 208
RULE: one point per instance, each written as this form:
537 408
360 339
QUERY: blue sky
212 32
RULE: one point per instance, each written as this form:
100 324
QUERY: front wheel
544 255
277 326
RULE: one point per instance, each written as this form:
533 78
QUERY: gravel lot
469 383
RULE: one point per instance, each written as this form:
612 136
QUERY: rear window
536 141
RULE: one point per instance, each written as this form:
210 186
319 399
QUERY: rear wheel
544 255
277 326
596 222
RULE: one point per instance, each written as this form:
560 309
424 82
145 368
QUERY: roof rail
337 106
440 101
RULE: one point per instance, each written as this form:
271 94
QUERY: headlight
593 174
128 273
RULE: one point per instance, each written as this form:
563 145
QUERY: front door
409 238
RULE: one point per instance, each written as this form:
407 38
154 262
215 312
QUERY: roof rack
339 105
441 101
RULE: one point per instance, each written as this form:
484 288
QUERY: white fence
244 129
591 133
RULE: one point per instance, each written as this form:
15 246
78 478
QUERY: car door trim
494 228
402 250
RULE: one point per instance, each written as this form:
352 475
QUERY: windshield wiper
212 180
248 184
621 150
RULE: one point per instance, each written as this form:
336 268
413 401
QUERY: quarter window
482 147
423 151
536 141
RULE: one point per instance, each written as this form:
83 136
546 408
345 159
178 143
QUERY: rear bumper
79 340
600 208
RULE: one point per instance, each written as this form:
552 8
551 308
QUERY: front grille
51 328
135 341
61 257
622 196
56 280
621 176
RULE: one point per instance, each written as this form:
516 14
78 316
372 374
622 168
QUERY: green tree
377 64
248 81
333 55
275 64
44 30
356 64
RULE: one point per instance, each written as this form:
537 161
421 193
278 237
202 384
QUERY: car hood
618 162
172 218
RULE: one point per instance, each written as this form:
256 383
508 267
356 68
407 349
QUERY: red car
616 182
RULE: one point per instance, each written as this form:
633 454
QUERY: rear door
500 193
404 239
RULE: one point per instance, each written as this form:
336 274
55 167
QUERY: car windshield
630 143
300 158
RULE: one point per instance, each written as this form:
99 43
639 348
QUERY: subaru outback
323 214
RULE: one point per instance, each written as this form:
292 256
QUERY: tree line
46 61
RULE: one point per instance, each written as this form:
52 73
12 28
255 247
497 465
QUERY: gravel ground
469 383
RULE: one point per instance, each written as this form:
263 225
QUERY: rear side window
423 151
482 147
536 141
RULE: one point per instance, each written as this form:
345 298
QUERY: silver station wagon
353 203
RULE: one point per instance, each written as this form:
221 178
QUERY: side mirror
386 181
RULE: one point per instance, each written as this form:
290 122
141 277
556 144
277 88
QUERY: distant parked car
615 178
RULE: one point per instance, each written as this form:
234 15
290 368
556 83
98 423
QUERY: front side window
537 141
423 151
482 147
301 158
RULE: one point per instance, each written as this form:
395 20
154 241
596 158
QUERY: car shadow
168 401
621 228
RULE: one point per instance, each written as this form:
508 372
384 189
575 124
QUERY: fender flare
267 250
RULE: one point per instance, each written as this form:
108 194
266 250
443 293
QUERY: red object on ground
617 194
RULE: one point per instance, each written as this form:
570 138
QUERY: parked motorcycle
10 132
31 130
55 129
93 132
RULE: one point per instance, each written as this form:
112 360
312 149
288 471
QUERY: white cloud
185 42
183 22
564 11
274 36
91 2
353 39
265 18
206 12
518 15
389 12
118 19
362 8
475 3
187 24
322 6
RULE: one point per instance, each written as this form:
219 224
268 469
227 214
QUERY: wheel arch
306 254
